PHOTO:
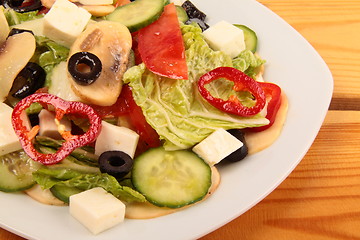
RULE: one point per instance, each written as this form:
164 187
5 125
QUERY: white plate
294 65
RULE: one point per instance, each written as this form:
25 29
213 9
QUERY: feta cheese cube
116 138
9 142
97 209
64 22
225 37
217 146
50 127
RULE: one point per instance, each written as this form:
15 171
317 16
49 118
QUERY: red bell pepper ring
242 82
62 107
273 97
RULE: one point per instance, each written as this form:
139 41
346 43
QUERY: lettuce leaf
248 63
47 178
175 109
48 55
14 18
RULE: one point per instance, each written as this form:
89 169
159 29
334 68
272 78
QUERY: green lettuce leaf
48 54
248 62
48 177
175 109
14 18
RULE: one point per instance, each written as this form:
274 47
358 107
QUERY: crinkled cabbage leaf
48 178
175 109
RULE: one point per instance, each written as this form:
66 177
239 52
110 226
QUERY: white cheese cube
50 127
65 21
9 142
225 37
116 138
97 209
217 146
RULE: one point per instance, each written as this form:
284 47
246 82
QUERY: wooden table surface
321 198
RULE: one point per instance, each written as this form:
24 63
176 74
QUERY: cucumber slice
171 178
181 13
63 192
250 37
16 171
137 14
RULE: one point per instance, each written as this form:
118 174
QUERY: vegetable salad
140 98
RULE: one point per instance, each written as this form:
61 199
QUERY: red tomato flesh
161 46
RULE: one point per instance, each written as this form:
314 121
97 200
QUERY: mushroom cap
111 42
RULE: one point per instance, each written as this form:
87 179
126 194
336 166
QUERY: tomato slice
161 46
147 134
119 108
126 108
119 3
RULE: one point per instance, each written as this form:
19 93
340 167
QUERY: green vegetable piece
250 37
48 178
181 13
137 14
174 108
14 18
63 193
83 156
171 178
16 171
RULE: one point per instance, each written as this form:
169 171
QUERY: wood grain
332 27
319 200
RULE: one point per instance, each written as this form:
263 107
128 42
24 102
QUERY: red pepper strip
242 82
273 96
62 107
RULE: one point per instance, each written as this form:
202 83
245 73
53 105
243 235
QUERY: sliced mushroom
15 53
111 43
96 2
49 3
98 10
4 27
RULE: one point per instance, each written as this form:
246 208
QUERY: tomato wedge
148 136
161 46
126 108
119 3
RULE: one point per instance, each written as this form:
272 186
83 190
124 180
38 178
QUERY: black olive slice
31 78
242 152
192 11
201 23
84 67
17 5
14 31
115 163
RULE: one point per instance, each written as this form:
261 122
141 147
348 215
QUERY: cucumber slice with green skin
181 13
137 14
171 178
63 192
250 37
16 172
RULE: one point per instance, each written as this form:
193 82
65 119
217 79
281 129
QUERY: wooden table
321 197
